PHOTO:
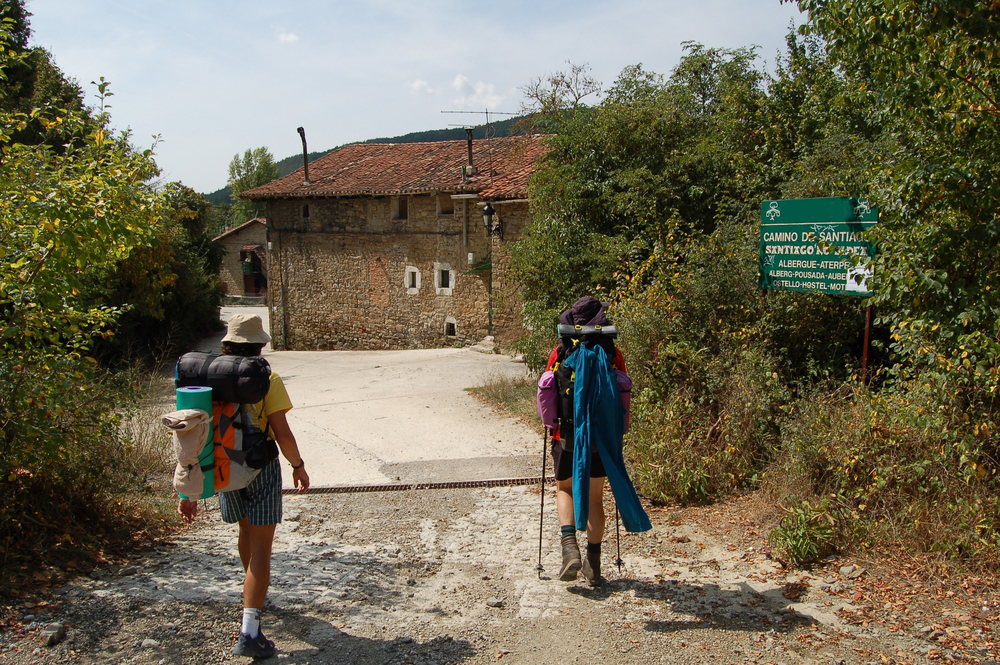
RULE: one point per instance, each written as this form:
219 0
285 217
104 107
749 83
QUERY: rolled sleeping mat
197 397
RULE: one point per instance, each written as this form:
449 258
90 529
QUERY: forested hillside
651 199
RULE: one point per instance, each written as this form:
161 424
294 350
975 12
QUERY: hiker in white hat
257 507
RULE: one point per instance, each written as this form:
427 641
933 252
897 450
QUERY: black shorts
563 460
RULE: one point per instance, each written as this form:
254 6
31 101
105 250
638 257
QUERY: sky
211 78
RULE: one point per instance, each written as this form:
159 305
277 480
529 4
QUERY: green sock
567 530
594 548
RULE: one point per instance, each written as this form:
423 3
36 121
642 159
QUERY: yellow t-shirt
275 401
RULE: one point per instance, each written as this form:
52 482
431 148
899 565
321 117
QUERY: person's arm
289 448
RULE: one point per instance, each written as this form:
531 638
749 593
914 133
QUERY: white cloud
421 87
288 38
480 95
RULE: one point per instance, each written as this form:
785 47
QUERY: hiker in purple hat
586 311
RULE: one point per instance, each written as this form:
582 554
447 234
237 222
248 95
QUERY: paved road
377 416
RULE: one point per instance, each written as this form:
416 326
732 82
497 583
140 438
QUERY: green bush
806 533
902 465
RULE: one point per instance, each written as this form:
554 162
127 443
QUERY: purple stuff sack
625 390
547 400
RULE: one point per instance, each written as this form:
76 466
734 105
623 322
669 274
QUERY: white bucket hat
246 329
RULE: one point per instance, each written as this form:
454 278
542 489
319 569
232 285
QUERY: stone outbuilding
385 245
244 267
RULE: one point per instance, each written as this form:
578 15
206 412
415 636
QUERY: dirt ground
449 576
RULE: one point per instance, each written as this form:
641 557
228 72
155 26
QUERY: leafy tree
637 176
169 289
928 70
15 19
32 80
255 168
64 214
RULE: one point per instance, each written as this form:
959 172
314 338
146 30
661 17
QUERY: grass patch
511 396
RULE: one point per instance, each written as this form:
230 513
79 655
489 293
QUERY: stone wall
231 272
507 304
346 274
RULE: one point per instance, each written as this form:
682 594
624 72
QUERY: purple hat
586 311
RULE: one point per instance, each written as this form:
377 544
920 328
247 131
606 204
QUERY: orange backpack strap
224 436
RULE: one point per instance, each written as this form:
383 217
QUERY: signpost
811 245
818 245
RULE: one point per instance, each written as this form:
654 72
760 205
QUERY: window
411 281
399 207
444 279
445 204
449 329
305 211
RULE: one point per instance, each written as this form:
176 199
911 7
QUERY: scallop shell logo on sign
773 212
857 279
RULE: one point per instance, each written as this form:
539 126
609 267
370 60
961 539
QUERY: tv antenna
488 125
488 133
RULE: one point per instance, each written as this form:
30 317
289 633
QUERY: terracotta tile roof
371 169
241 227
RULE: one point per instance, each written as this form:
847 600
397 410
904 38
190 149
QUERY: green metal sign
816 245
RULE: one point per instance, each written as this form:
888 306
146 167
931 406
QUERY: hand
187 509
300 479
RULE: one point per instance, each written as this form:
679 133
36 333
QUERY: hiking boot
592 569
254 647
571 559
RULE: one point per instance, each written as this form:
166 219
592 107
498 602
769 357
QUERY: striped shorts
259 501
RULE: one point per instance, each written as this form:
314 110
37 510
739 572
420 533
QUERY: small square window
444 280
449 329
445 204
400 207
411 281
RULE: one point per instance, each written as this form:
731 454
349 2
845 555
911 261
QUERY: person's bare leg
596 518
564 501
571 561
255 552
595 532
244 544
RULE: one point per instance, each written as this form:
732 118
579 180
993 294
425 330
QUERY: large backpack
556 386
241 450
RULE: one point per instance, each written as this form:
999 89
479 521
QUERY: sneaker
254 647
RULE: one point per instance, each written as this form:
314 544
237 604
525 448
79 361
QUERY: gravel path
448 576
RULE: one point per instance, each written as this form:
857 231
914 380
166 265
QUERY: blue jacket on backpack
599 421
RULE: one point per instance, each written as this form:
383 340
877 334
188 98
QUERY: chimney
469 170
305 154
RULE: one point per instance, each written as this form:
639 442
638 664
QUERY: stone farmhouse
385 246
244 267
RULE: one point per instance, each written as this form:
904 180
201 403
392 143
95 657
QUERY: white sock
251 621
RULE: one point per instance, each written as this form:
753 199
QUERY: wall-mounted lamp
491 228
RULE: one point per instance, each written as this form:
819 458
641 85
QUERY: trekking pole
618 540
541 509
